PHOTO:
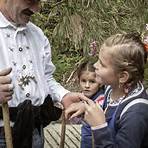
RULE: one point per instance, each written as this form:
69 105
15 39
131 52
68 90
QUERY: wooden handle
7 128
63 130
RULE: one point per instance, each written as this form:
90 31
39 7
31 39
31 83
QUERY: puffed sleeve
55 89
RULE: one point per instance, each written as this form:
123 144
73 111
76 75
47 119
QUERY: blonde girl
124 122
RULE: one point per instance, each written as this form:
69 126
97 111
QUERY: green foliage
72 24
64 65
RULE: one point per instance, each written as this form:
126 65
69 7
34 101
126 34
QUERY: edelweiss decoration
25 80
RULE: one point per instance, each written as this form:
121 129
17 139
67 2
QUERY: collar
97 94
135 92
4 23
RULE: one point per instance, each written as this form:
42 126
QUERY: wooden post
7 128
63 129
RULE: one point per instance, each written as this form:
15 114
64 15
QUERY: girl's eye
92 81
83 80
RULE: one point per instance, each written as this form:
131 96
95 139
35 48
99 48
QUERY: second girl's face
104 69
88 84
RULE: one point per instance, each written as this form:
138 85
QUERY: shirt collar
4 23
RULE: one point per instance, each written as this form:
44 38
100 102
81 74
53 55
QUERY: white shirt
27 50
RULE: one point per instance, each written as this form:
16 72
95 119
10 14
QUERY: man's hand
6 87
72 97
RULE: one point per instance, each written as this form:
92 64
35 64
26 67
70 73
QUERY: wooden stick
62 142
7 128
93 144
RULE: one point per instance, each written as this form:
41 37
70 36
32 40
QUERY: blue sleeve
130 132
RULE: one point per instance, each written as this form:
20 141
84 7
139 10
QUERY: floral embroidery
25 80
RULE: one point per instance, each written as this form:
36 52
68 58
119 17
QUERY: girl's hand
94 114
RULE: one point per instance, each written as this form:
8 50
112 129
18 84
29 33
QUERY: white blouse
27 50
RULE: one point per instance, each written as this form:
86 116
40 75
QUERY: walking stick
63 129
7 128
93 144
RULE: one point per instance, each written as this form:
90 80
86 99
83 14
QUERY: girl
121 65
93 89
124 123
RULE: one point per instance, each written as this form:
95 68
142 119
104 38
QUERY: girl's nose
97 66
87 85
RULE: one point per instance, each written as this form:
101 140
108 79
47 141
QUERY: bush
72 24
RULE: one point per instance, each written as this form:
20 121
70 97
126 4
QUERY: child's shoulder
100 99
137 105
100 96
136 102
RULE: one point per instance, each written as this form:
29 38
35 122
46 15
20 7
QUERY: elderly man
26 74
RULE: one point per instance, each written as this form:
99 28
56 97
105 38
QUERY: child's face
88 83
104 69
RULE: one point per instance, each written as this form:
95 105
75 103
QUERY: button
28 95
20 49
24 66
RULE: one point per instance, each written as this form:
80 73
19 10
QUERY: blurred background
71 25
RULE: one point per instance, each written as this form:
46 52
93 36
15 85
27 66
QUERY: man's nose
35 7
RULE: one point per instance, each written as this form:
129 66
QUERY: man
26 68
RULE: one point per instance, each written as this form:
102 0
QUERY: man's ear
123 77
